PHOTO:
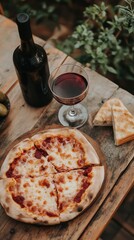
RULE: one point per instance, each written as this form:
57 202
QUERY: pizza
50 177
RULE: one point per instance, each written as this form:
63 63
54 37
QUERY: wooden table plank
55 56
128 100
7 44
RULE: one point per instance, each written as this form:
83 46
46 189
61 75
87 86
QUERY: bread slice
123 125
104 115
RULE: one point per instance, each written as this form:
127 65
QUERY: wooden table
22 118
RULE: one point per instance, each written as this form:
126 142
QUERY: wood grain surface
23 118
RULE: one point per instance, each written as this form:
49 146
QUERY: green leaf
111 70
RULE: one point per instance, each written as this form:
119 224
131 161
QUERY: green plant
105 39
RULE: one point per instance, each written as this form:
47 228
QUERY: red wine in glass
69 85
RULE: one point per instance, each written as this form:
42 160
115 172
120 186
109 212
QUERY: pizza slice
104 115
123 125
32 200
77 189
24 159
66 149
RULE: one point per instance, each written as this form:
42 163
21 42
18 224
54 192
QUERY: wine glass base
74 119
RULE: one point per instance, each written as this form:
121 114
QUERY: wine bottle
31 64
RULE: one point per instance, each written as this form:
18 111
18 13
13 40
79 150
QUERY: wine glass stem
72 111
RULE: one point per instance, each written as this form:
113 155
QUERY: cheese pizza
50 177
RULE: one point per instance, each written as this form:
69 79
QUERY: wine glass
69 86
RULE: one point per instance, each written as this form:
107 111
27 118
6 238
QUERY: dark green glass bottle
31 64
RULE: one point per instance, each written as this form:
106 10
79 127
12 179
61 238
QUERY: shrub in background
105 40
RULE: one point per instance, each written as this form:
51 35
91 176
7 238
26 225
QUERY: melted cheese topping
64 152
36 195
30 163
71 187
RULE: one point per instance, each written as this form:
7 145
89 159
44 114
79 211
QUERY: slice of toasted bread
104 115
123 125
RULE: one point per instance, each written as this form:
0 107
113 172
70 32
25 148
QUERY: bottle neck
28 47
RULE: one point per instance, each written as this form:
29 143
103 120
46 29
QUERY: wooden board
14 224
